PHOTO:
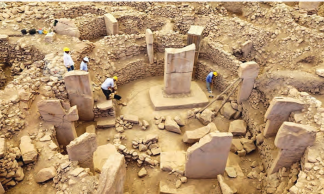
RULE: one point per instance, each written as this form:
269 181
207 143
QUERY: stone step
105 122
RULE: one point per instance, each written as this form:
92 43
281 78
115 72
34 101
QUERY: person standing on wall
108 88
68 62
84 64
209 80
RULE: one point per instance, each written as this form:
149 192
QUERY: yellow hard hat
115 78
215 73
66 49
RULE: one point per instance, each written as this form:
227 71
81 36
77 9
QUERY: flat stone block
248 70
131 118
237 127
105 105
105 122
196 98
179 60
196 30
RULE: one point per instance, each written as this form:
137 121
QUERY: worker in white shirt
84 64
108 88
68 62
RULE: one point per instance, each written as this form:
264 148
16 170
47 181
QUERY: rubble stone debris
28 150
45 174
207 158
171 125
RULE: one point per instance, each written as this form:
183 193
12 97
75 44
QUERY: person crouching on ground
84 64
68 62
209 80
109 88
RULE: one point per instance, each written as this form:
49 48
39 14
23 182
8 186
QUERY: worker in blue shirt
84 64
209 80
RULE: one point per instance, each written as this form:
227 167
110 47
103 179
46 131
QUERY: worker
84 64
68 62
109 88
209 80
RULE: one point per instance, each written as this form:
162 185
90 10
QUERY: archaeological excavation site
161 97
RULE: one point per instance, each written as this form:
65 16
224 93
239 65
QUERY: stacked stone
141 6
91 26
59 89
4 48
220 82
26 100
156 68
132 155
104 113
11 171
155 24
80 53
170 40
24 53
2 78
169 11
54 66
124 46
214 52
131 22
183 22
75 11
204 9
132 71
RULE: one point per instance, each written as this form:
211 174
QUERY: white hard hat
86 59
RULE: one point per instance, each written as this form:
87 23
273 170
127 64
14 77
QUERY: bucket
40 31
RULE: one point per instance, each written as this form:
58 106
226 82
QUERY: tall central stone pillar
78 86
178 67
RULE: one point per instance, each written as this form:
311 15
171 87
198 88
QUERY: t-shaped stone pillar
178 66
149 45
78 86
195 36
278 112
292 140
248 72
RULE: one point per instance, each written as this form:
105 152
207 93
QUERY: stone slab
105 105
195 135
113 175
208 157
81 149
172 160
28 149
101 155
149 36
248 70
197 98
105 122
131 118
177 83
237 127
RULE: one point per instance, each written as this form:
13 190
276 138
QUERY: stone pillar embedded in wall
149 45
82 148
307 5
178 66
208 157
53 113
278 112
111 24
292 140
194 36
78 86
248 72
